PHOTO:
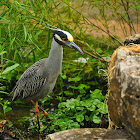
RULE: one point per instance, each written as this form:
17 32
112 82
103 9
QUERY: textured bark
124 89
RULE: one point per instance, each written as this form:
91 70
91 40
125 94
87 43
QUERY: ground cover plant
79 97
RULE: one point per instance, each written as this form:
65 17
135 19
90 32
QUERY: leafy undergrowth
81 112
88 111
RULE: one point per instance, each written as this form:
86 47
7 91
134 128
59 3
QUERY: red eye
64 39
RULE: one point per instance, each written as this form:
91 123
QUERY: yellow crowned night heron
39 79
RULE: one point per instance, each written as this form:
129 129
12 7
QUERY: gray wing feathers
31 81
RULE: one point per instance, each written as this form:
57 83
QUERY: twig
101 59
124 28
131 23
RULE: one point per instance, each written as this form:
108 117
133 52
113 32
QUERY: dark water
24 109
16 116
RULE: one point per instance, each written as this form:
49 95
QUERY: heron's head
65 38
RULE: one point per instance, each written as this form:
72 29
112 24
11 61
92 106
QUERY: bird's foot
41 109
45 115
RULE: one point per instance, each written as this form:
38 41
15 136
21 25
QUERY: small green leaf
52 127
62 105
4 92
3 52
97 94
8 69
26 118
25 32
68 93
7 109
92 108
56 122
75 79
73 125
10 125
63 76
86 103
102 108
12 41
43 128
96 101
96 119
86 118
73 87
80 108
81 86
72 103
100 105
79 117
99 50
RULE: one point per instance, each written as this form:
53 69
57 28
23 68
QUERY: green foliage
8 69
5 106
76 113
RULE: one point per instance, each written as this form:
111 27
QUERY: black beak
73 45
